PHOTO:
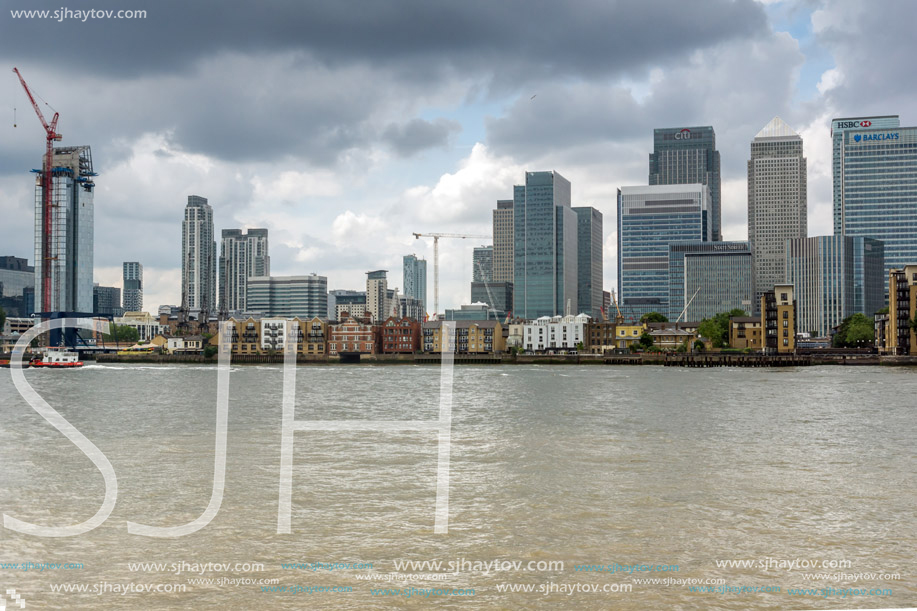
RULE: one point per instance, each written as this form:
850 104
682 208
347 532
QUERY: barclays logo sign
880 136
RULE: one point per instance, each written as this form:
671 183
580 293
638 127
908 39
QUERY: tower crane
47 256
436 237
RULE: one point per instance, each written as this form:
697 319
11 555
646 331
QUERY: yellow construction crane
436 237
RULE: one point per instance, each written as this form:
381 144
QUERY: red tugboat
57 359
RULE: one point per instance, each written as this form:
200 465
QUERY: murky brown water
579 465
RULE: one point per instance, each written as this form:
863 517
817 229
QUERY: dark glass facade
589 239
875 185
544 246
688 155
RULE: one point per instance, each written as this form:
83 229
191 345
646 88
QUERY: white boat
57 359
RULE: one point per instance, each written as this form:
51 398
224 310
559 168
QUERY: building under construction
71 231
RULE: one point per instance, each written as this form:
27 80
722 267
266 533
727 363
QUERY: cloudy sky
343 127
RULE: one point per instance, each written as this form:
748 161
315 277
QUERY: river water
670 473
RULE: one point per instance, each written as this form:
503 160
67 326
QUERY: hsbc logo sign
684 134
854 124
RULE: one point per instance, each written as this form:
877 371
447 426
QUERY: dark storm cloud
587 37
312 80
417 135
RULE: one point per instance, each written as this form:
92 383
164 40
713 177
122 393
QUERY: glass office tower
835 276
545 248
650 218
709 278
688 155
875 185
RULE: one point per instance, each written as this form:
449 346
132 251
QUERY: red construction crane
46 255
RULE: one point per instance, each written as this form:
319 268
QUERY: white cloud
829 80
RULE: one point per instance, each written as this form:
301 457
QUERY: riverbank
669 360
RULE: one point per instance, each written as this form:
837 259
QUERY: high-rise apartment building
589 265
343 302
199 257
288 296
377 299
132 283
544 247
777 208
688 155
835 276
503 241
72 227
243 255
650 218
707 278
415 280
875 189
482 264
106 300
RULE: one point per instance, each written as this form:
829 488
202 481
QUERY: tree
855 331
699 346
882 310
2 319
646 340
653 317
580 346
122 333
716 329
209 351
912 323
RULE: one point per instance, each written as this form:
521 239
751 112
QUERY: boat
57 359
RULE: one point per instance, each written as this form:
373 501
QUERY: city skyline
439 162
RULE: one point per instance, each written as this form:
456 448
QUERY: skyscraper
589 265
777 209
544 247
377 300
415 279
503 241
199 258
875 190
650 218
243 255
70 256
835 276
688 155
132 281
482 264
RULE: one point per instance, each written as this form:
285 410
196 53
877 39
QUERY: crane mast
436 237
47 256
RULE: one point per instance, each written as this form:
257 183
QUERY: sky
344 127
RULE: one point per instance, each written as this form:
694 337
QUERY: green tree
653 317
122 333
699 346
2 319
856 331
209 351
646 340
716 329
882 310
912 323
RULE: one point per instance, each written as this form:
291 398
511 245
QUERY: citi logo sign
684 134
